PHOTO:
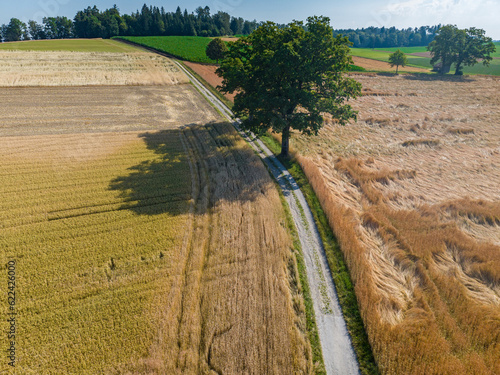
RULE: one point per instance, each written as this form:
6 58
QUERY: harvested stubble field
148 238
63 68
412 193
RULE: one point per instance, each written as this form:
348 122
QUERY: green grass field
404 49
382 54
92 257
76 45
191 48
497 52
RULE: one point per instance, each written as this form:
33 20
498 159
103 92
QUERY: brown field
412 192
43 68
149 239
230 39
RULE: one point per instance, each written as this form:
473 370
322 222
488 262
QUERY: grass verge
340 273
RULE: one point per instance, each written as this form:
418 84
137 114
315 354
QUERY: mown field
149 239
382 54
411 192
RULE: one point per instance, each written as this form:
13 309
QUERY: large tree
442 48
462 47
472 45
288 78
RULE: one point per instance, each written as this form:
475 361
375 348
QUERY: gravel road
338 354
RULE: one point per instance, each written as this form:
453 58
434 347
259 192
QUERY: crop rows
191 48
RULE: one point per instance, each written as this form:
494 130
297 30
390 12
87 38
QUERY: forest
149 21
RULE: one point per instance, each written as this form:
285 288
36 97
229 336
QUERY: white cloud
463 13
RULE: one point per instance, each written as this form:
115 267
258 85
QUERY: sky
483 14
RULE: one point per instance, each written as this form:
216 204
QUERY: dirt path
338 354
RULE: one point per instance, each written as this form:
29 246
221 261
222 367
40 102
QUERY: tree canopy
14 31
216 49
289 77
398 58
462 47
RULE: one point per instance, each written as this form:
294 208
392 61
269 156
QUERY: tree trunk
285 141
443 67
457 70
397 66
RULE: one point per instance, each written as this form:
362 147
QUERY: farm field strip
338 354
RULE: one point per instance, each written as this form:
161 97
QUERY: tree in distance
398 58
287 78
16 30
462 47
216 49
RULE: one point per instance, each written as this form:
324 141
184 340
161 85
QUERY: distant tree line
150 21
379 37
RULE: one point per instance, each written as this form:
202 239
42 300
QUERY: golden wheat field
148 238
412 191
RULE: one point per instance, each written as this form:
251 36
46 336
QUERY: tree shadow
223 170
387 74
436 77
